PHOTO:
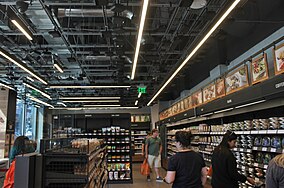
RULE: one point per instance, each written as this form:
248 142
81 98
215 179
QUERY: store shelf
118 151
268 149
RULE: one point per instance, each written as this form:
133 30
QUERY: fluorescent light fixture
249 104
41 92
225 110
30 79
77 101
139 37
37 106
208 114
8 87
85 87
87 98
98 108
136 102
61 103
193 117
195 49
139 95
22 67
58 67
22 29
39 101
110 105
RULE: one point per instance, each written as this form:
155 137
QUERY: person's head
149 134
21 145
229 140
183 139
155 133
279 160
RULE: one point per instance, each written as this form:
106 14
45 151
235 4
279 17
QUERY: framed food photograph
181 105
279 59
209 92
185 102
220 87
178 107
189 102
259 69
237 79
197 98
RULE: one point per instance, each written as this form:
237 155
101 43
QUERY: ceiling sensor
198 4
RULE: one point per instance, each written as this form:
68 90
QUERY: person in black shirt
224 165
186 169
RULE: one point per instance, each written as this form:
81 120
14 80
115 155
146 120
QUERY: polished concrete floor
140 181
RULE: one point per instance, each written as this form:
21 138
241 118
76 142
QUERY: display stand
74 163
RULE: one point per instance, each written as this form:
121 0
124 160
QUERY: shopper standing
149 134
153 152
275 172
186 168
21 146
224 165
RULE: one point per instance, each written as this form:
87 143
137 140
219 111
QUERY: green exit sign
141 89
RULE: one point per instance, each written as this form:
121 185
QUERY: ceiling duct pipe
84 13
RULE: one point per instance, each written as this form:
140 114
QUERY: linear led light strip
22 29
86 87
58 67
39 101
97 108
136 102
86 98
76 101
41 92
110 105
4 85
22 67
139 37
61 103
139 95
195 49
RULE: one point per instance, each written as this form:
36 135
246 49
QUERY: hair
279 160
22 145
154 130
184 138
228 137
149 133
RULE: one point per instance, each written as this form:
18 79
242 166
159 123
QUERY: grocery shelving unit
69 162
140 125
255 114
257 143
119 160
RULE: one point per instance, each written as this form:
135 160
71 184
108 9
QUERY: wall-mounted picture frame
237 79
259 69
209 92
220 87
181 105
278 53
196 98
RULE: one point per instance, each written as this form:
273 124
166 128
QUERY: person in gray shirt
275 172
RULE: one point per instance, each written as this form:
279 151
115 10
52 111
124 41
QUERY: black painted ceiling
94 41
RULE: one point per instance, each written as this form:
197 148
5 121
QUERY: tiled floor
140 181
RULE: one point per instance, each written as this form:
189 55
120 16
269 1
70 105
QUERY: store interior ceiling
94 43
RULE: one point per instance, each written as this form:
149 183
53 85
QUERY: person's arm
204 175
143 149
146 148
270 180
170 177
232 169
161 149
